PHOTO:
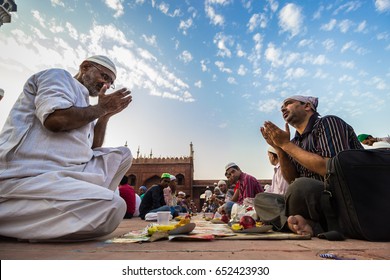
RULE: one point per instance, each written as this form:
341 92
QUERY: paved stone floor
11 249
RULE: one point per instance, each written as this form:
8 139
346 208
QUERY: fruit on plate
184 221
237 227
154 228
247 222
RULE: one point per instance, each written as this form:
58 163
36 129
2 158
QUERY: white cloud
361 27
185 25
346 78
222 68
273 5
72 31
186 56
291 19
351 45
317 14
329 26
305 43
255 56
348 7
242 70
203 65
273 55
269 105
54 28
378 83
320 74
198 84
270 76
296 73
328 44
382 36
240 52
347 64
145 54
345 25
215 19
257 20
232 81
382 5
347 46
223 43
38 32
164 8
39 18
151 41
219 2
320 60
117 6
57 3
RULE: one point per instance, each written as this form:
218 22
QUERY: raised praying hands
115 102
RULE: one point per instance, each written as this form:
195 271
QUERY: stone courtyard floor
11 249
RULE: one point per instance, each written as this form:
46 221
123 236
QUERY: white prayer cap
181 193
313 101
272 150
1 92
221 182
103 61
230 164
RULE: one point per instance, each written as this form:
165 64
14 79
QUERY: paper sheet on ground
206 231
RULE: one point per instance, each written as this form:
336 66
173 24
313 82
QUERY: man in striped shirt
303 163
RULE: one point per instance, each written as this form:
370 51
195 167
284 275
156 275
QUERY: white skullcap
103 61
182 193
1 92
230 164
221 182
272 150
313 101
172 178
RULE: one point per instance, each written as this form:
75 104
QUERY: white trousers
48 219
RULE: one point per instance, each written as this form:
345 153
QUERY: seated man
127 192
57 182
278 185
303 164
248 186
141 191
370 142
154 201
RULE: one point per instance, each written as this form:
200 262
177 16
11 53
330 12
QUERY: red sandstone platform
11 249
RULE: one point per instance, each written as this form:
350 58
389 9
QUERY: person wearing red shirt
127 192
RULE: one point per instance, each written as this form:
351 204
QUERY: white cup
163 217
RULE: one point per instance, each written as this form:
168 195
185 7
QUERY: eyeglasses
105 77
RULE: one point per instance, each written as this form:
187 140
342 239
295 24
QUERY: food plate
261 229
217 221
183 229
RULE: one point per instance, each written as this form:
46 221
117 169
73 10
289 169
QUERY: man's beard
93 87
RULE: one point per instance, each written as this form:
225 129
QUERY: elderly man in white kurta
56 181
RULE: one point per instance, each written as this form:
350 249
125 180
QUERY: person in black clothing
153 200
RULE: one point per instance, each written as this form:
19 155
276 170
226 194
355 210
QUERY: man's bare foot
299 225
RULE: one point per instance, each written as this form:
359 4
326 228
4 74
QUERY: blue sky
211 72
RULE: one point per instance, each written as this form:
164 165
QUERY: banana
155 228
